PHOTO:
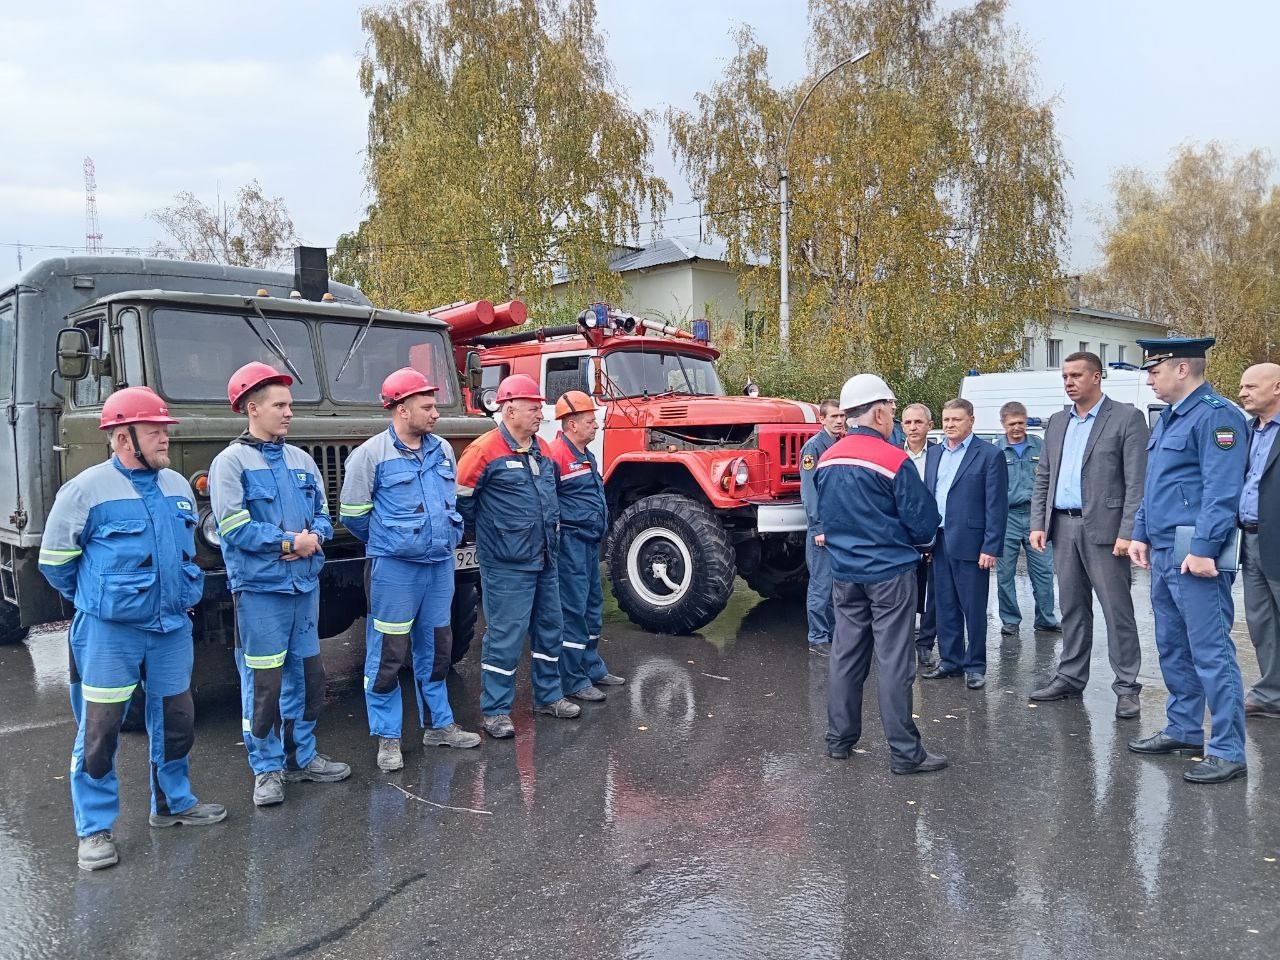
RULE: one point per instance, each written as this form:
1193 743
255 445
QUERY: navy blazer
978 501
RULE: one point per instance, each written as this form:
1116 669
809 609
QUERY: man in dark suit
1086 495
970 482
1259 518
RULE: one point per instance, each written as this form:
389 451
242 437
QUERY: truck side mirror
475 372
73 353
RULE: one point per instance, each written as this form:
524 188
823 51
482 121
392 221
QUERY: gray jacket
1111 474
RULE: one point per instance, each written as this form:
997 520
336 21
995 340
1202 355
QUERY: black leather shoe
1159 743
1214 770
838 753
1008 629
1056 689
930 763
937 673
1051 628
975 681
926 659
1127 706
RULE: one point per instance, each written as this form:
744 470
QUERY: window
1120 353
196 352
385 349
565 374
1102 354
8 331
1028 360
97 386
1084 346
641 373
1053 354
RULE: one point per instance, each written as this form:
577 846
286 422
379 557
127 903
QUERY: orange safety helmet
402 384
134 405
574 401
519 386
250 377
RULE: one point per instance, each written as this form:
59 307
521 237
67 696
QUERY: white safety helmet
862 389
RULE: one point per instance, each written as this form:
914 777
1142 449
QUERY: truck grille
331 458
789 445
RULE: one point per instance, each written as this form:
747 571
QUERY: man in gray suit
1259 519
1086 495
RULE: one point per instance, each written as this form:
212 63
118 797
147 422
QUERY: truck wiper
355 343
275 344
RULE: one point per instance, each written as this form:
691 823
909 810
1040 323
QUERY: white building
1112 336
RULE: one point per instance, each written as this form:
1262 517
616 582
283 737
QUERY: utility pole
92 233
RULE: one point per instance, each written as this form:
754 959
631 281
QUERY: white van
1040 391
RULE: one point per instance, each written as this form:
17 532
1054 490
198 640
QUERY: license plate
466 557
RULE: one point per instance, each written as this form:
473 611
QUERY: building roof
662 252
1095 314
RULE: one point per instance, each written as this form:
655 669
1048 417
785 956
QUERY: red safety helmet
402 384
574 401
250 377
134 405
519 387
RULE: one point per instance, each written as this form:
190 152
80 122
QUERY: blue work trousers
519 602
582 604
408 620
107 662
818 601
1017 533
962 588
1197 657
281 677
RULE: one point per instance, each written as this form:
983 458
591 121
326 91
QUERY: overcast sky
174 96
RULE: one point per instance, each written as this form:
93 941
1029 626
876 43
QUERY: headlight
209 529
489 399
740 473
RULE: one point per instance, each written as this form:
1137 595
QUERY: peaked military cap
1173 348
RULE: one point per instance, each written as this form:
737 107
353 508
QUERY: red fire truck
701 486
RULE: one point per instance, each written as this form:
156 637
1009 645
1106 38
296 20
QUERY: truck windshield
196 351
384 349
643 373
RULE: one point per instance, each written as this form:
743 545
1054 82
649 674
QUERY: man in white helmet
876 515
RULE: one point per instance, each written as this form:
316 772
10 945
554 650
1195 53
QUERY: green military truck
74 329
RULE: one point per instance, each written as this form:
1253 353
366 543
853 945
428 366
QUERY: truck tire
671 564
463 615
11 629
781 573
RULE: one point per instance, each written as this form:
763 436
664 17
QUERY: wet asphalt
694 814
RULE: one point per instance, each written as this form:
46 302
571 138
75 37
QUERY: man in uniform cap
876 514
1195 472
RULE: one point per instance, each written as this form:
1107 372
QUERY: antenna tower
92 233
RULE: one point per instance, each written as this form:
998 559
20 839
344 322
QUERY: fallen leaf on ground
911 803
642 728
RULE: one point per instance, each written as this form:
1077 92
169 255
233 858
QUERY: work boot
450 736
389 756
610 680
320 770
499 727
197 815
268 788
97 851
590 693
561 708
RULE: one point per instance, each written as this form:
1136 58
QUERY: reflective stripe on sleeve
106 694
354 509
56 558
270 662
232 521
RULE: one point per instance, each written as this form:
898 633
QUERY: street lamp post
784 306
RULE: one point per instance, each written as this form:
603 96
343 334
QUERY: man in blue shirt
1260 528
1022 457
818 599
1195 471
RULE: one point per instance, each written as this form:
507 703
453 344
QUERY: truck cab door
82 445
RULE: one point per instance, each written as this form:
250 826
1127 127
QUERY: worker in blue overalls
1022 456
273 518
584 518
1196 460
398 495
818 602
119 544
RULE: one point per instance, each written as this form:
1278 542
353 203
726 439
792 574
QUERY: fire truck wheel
463 616
10 629
671 564
781 574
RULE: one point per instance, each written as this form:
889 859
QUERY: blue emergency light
601 310
701 330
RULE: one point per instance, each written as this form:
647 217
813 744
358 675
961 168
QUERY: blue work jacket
583 511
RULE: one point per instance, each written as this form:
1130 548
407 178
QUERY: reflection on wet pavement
692 815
